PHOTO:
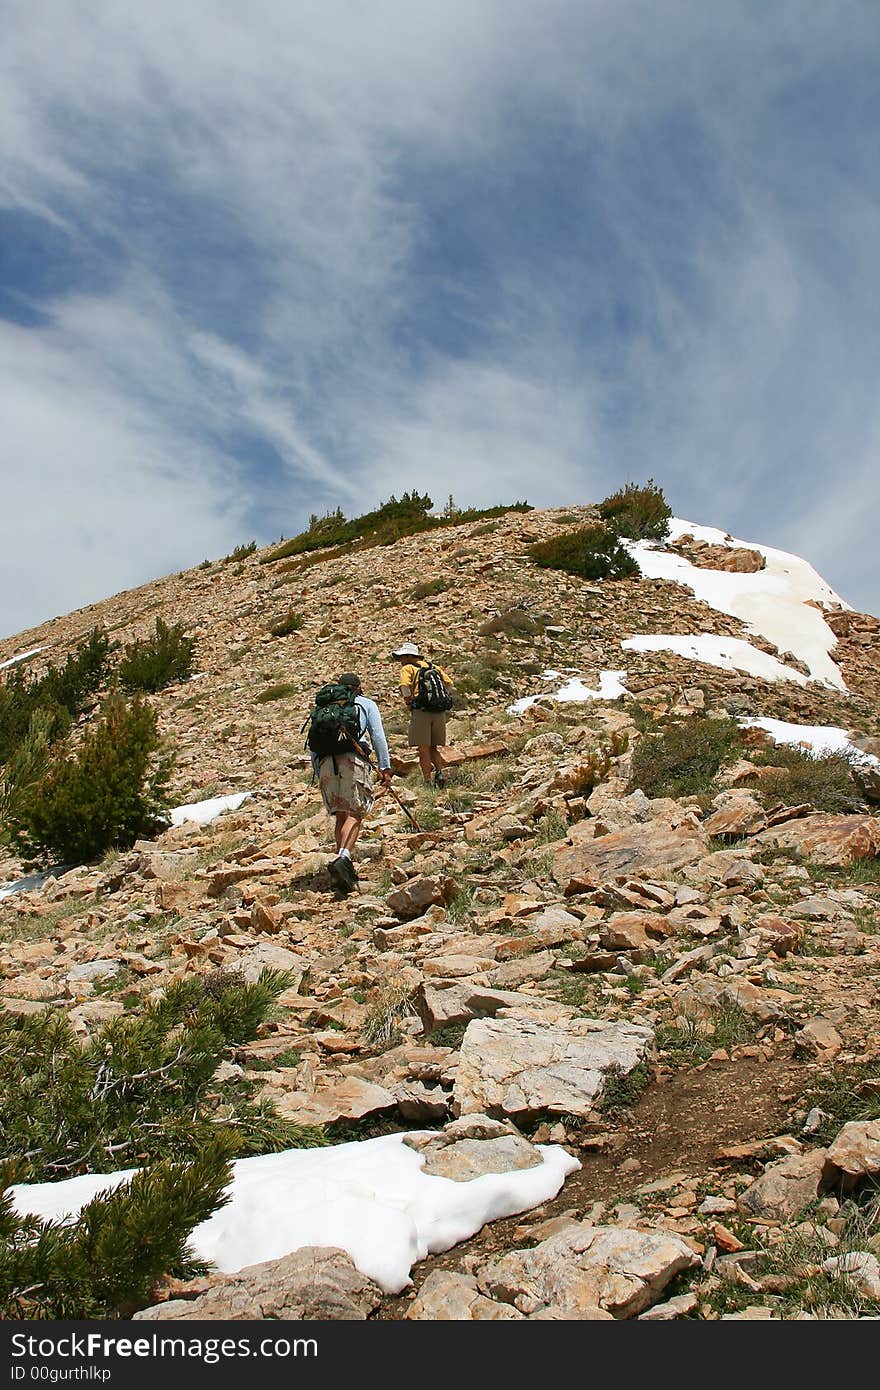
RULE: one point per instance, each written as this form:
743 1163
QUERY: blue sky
262 261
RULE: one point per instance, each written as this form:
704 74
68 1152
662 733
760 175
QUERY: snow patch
610 688
203 812
819 738
727 653
775 602
22 656
370 1198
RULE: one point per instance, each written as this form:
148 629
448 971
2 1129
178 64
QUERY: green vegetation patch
139 1093
638 512
291 622
398 517
109 792
684 757
282 691
824 781
152 663
591 552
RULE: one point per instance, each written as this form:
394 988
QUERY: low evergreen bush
151 663
240 552
513 622
431 586
398 517
683 758
291 622
592 552
823 781
639 513
139 1094
62 691
108 1261
282 691
105 795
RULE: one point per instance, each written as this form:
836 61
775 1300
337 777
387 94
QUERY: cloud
262 263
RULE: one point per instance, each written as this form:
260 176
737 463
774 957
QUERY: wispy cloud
258 263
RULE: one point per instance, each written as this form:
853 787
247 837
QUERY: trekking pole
410 818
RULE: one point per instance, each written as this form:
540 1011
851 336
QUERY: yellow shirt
408 677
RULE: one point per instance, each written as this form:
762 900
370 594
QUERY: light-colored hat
407 649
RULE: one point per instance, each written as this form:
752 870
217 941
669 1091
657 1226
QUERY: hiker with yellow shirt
425 690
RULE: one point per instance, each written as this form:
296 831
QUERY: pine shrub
103 796
639 513
291 622
62 691
82 674
140 1090
151 663
139 1094
108 1261
800 777
240 552
593 552
684 757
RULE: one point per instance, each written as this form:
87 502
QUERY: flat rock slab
785 1188
658 847
351 1099
827 839
524 1068
589 1272
856 1150
315 1283
470 1158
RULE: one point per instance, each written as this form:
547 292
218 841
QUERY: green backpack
336 723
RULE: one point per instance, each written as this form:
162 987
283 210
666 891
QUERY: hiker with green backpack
426 692
345 727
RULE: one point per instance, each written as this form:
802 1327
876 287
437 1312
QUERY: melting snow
610 688
203 812
22 656
775 602
370 1198
728 653
820 738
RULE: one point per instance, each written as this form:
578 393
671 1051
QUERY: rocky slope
683 993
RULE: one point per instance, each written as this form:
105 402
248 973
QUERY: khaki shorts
349 788
427 727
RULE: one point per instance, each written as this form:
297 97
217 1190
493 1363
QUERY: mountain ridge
542 894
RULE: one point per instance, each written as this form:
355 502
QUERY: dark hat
349 678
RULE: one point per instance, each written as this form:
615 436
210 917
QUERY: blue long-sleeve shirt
374 733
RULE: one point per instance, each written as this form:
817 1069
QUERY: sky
257 262
369 1197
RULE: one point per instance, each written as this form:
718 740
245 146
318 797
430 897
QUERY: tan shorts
349 788
427 727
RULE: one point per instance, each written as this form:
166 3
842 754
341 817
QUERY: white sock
344 854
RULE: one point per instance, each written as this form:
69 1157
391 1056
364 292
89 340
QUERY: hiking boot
350 872
439 779
342 874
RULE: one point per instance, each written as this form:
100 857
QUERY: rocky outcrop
315 1283
524 1069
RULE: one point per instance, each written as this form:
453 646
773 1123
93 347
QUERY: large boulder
658 847
589 1272
827 839
315 1283
525 1068
785 1189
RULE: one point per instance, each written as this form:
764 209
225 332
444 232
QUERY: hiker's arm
407 677
377 737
